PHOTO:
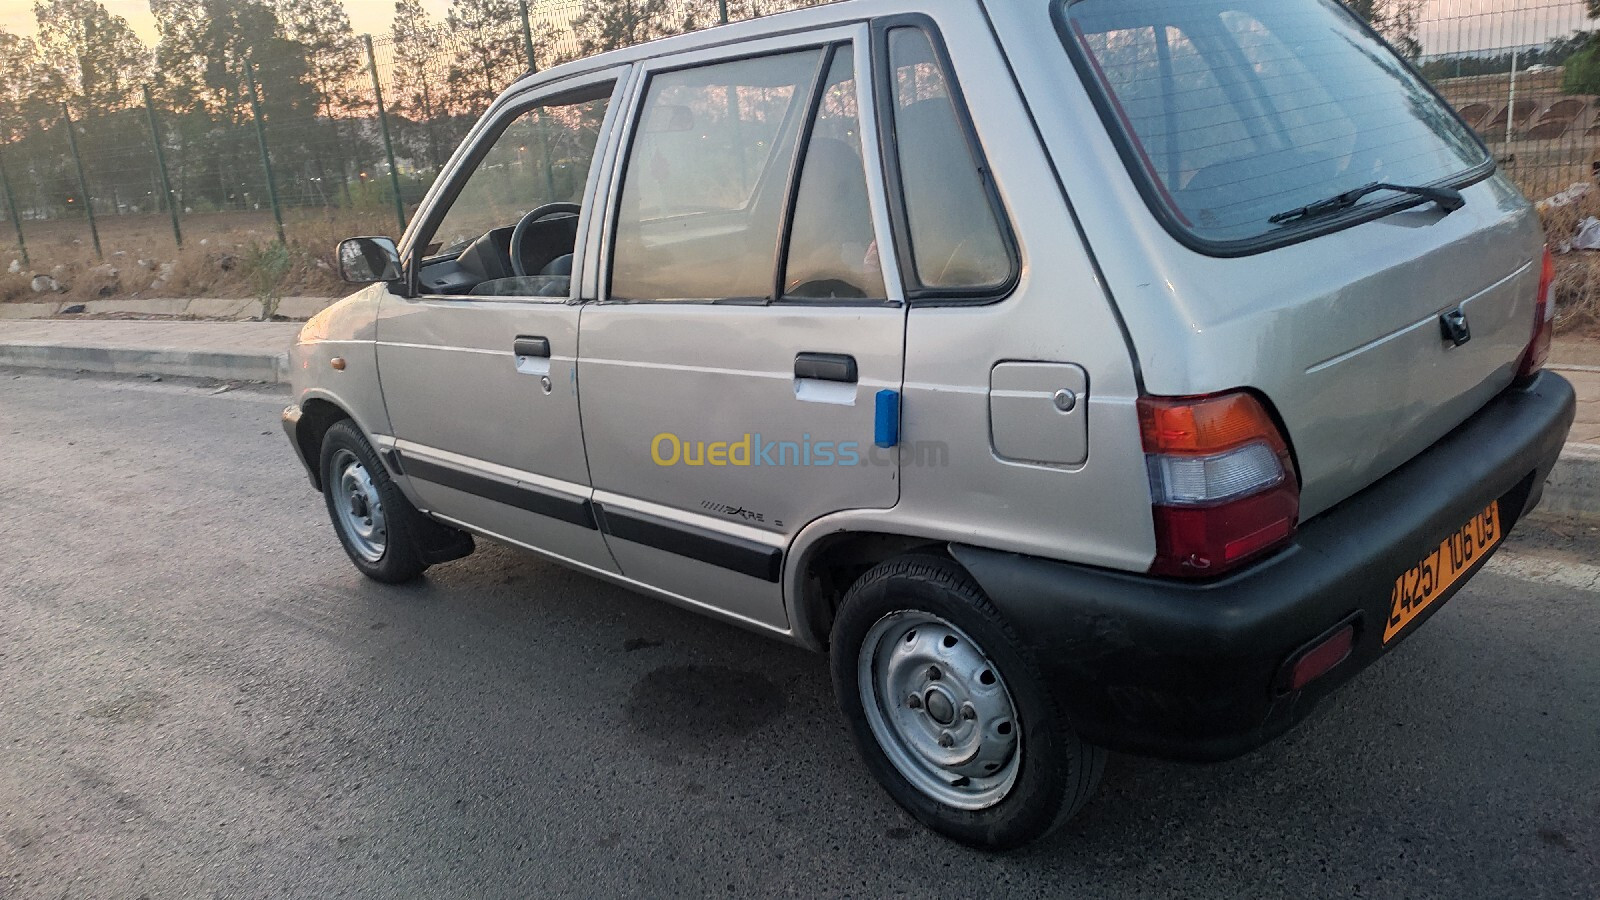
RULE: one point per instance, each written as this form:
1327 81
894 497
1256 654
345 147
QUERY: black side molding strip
577 511
734 554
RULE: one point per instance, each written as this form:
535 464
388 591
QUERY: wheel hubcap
940 710
357 507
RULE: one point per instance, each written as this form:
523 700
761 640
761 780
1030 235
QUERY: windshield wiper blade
1448 199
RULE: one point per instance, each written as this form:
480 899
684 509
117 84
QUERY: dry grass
141 259
1577 288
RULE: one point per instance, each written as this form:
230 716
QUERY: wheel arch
825 566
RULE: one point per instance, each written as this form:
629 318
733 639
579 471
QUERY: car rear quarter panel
1291 322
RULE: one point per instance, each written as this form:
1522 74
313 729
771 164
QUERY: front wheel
949 712
368 511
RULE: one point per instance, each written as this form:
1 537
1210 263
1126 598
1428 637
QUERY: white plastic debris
16 267
42 284
1571 195
1588 235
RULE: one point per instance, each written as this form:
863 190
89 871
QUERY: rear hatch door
1237 120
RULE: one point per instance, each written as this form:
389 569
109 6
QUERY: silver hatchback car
1081 375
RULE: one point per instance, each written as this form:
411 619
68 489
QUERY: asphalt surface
200 697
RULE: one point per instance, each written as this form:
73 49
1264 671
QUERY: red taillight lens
1222 486
1544 321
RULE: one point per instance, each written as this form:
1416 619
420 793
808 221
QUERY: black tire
400 560
1057 771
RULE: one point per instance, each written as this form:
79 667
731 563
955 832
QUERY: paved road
199 697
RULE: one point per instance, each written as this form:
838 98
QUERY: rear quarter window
1232 111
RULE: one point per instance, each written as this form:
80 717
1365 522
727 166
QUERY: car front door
749 331
479 366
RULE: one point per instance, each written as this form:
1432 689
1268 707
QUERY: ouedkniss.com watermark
754 451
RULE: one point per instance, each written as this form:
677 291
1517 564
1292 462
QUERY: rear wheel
950 713
369 513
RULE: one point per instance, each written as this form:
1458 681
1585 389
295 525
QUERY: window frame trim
855 34
1155 193
884 93
488 131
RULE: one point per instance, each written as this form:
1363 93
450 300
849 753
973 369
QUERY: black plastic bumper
291 427
1194 671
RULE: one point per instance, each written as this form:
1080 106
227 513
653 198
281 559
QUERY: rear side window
957 243
833 252
702 195
1235 111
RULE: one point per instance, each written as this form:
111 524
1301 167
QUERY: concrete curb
1574 485
238 309
263 367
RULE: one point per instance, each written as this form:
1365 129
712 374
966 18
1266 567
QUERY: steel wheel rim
358 507
940 710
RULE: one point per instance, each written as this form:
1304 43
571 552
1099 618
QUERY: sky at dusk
368 16
1448 25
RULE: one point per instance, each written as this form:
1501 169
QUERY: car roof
838 12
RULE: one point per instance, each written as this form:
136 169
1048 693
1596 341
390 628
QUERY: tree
334 68
1396 20
490 54
416 98
609 24
93 59
332 50
204 48
21 102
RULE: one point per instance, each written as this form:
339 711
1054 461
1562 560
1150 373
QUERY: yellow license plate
1418 587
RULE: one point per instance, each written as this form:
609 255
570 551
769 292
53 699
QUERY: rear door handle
839 367
531 346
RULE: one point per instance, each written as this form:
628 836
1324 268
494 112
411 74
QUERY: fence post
383 125
83 180
527 36
161 166
16 219
261 138
722 11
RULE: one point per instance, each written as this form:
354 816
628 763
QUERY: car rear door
749 331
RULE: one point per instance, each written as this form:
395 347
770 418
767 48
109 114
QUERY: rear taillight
1544 321
1222 485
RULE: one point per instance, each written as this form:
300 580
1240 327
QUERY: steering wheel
521 232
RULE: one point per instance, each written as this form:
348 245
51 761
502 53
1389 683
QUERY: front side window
706 179
533 174
1239 111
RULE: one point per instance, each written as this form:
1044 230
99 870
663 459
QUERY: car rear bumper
1195 671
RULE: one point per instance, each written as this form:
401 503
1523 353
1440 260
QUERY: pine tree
21 102
93 60
414 56
609 24
490 52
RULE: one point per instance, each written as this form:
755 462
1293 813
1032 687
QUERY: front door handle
839 367
531 346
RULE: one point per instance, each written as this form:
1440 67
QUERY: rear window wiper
1448 199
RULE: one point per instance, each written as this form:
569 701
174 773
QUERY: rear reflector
1320 659
1222 487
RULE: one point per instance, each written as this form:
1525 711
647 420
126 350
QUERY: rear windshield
1239 110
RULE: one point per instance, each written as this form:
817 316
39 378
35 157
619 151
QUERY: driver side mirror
366 260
